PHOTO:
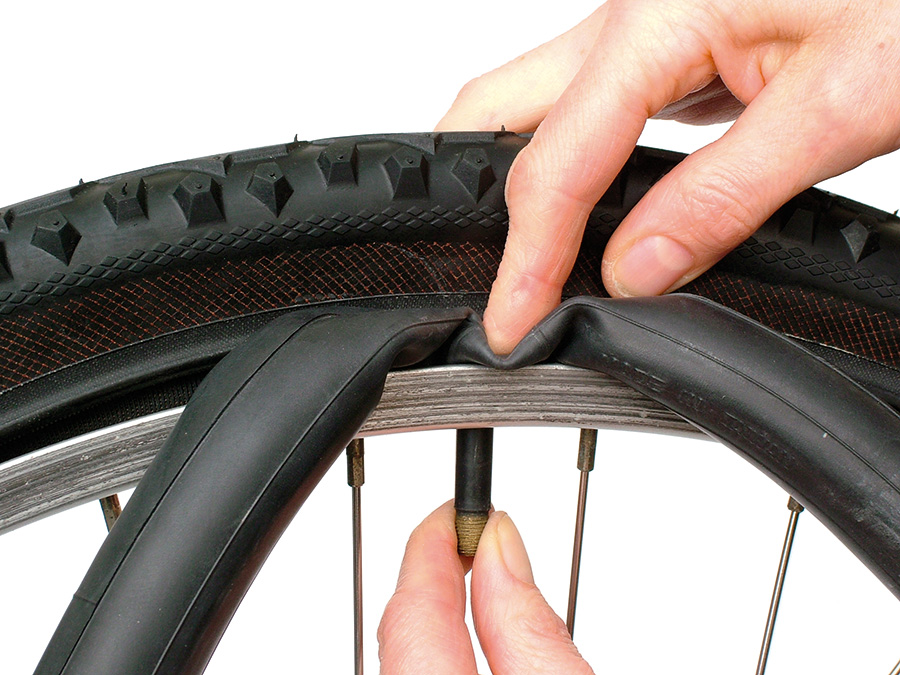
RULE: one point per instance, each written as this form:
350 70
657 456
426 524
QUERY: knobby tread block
339 164
419 185
862 239
56 235
473 170
408 171
800 227
126 201
200 199
5 274
270 186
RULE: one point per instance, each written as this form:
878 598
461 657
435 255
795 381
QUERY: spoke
795 509
474 457
896 670
355 478
587 450
111 510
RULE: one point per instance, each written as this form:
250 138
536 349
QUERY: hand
820 80
423 629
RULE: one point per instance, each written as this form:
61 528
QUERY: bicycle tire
117 295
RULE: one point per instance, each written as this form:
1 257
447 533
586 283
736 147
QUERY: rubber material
113 291
234 471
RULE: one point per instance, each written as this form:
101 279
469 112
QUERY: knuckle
474 103
545 624
834 121
470 90
716 213
518 172
539 635
542 178
409 612
526 619
387 625
475 93
394 624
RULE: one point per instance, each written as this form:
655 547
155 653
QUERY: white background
683 537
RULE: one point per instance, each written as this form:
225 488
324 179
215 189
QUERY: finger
519 94
519 632
789 138
575 154
423 629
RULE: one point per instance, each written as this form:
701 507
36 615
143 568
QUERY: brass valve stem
474 456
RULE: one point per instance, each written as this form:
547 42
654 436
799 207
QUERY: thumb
518 631
786 140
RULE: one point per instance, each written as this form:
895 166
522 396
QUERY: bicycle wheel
429 209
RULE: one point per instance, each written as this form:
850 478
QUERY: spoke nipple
112 509
356 474
469 527
587 449
794 505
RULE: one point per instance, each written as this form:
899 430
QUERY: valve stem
474 456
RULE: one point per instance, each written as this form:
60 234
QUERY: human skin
423 628
812 84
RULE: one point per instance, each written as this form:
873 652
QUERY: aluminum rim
108 460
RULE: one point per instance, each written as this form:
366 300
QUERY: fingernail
512 549
651 266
